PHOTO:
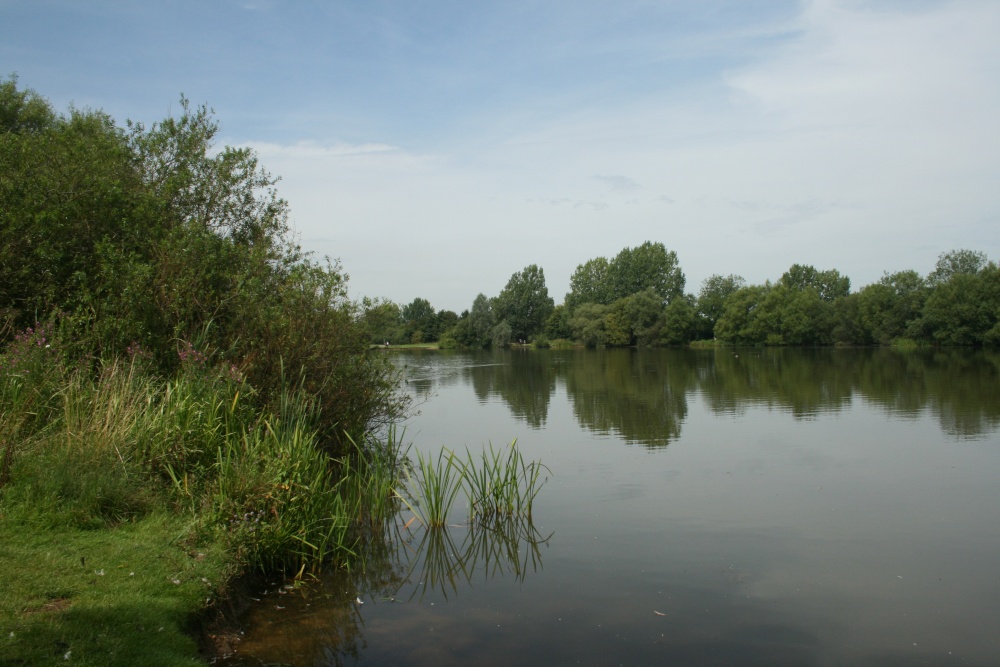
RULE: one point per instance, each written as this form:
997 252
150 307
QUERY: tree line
637 298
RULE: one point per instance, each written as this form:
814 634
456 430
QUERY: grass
129 501
122 596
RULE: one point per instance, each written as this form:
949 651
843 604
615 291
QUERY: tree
156 236
524 303
648 266
557 324
886 308
588 324
676 324
956 262
420 321
501 335
481 321
67 185
384 320
712 301
641 312
742 321
589 284
830 285
964 310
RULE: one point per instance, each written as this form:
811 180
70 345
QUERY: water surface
729 507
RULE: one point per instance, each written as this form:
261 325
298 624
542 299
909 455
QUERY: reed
500 485
433 488
504 485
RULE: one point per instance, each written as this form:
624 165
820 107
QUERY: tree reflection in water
641 395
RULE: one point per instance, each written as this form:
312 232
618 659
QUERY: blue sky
437 147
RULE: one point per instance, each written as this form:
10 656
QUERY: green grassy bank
129 502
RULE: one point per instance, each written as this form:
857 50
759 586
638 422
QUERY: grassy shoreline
132 503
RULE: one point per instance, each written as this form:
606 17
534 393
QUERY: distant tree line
637 298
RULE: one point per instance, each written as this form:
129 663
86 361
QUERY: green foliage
589 284
964 310
481 321
153 235
68 184
742 321
524 303
675 325
588 324
712 301
501 335
648 266
557 325
23 111
886 308
829 285
956 262
384 321
420 322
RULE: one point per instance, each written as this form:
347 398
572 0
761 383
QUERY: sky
436 147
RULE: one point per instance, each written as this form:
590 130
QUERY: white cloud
863 140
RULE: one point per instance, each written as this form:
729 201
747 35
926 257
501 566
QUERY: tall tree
481 321
524 303
589 284
830 285
648 266
421 324
957 262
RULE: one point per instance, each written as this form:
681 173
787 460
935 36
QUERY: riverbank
130 503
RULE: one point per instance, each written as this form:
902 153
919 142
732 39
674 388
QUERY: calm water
749 507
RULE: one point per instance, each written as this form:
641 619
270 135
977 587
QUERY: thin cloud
619 183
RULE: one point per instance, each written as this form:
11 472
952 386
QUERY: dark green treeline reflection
642 396
524 380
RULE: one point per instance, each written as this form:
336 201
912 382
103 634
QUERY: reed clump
499 485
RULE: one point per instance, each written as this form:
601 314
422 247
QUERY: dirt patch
52 606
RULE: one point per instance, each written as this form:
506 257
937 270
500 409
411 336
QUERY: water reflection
523 380
639 395
507 547
322 623
642 395
765 534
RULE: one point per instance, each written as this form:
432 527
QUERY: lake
705 507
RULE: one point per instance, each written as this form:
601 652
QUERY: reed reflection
501 547
328 622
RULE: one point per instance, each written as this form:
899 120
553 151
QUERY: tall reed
500 485
504 485
434 487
